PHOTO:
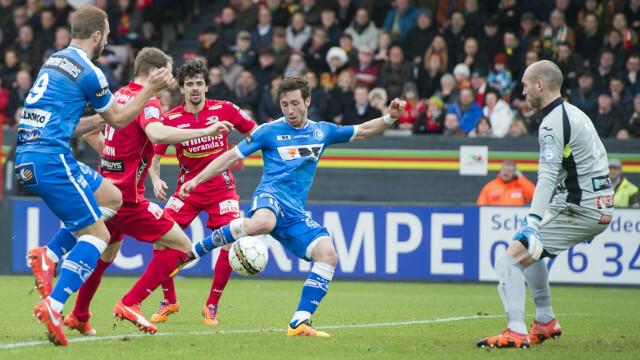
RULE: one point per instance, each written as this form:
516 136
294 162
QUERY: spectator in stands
482 129
462 74
266 68
107 62
384 43
246 91
478 83
211 46
518 128
125 22
244 54
490 42
228 26
472 57
230 70
431 121
556 32
10 67
319 103
605 70
346 43
455 35
218 89
514 51
589 39
629 36
367 71
632 12
345 12
341 96
607 120
499 113
29 50
46 28
529 29
613 43
429 75
633 124
62 10
420 37
363 31
296 66
262 33
474 18
626 193
18 19
448 91
330 26
569 64
500 77
509 14
467 110
298 33
414 106
62 39
280 12
19 91
395 72
269 108
247 15
360 110
400 20
315 50
280 48
452 126
509 188
378 99
439 46
311 11
585 97
632 73
621 97
4 104
337 61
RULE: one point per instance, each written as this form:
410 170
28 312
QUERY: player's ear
307 101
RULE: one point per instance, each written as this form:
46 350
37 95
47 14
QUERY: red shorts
222 207
144 221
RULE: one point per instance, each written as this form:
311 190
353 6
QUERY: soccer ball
248 256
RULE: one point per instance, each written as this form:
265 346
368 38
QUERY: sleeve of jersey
96 89
152 112
240 119
252 143
552 152
341 134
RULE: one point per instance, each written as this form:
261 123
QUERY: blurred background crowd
458 63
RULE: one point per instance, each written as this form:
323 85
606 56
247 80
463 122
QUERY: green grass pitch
367 320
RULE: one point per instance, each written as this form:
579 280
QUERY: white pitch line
252 331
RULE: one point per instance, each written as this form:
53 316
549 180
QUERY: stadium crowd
457 62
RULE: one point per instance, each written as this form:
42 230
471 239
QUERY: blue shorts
65 185
294 230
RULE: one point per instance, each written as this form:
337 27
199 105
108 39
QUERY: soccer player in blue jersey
291 148
44 164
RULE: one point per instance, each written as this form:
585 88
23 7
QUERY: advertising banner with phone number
414 243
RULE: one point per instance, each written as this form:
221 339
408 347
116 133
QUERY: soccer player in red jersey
217 197
126 156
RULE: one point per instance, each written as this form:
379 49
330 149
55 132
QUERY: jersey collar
547 109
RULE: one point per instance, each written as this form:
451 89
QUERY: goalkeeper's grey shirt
573 161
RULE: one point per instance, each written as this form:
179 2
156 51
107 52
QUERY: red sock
87 290
161 265
221 274
168 288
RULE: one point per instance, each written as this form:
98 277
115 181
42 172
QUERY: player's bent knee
175 239
259 225
109 196
324 251
97 229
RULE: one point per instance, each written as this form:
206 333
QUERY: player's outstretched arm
88 124
377 126
159 133
120 115
217 166
159 185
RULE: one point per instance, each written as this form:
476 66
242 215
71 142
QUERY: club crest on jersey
211 120
151 113
300 151
26 174
318 134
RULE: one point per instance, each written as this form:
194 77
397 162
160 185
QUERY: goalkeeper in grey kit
572 203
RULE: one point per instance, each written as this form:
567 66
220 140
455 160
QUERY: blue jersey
291 156
55 103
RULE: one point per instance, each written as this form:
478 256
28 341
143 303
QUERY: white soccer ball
248 256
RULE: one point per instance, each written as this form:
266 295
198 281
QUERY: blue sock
62 242
218 238
77 267
314 289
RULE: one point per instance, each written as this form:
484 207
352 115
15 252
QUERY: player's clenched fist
396 108
186 188
222 127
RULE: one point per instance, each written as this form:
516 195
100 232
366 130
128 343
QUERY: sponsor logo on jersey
122 98
151 112
102 92
67 66
601 183
34 117
109 150
140 170
155 210
229 206
248 139
182 126
318 134
26 174
173 116
111 165
211 120
215 107
175 204
283 137
300 151
28 135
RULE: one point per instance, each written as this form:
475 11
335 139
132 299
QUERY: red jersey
194 155
128 152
